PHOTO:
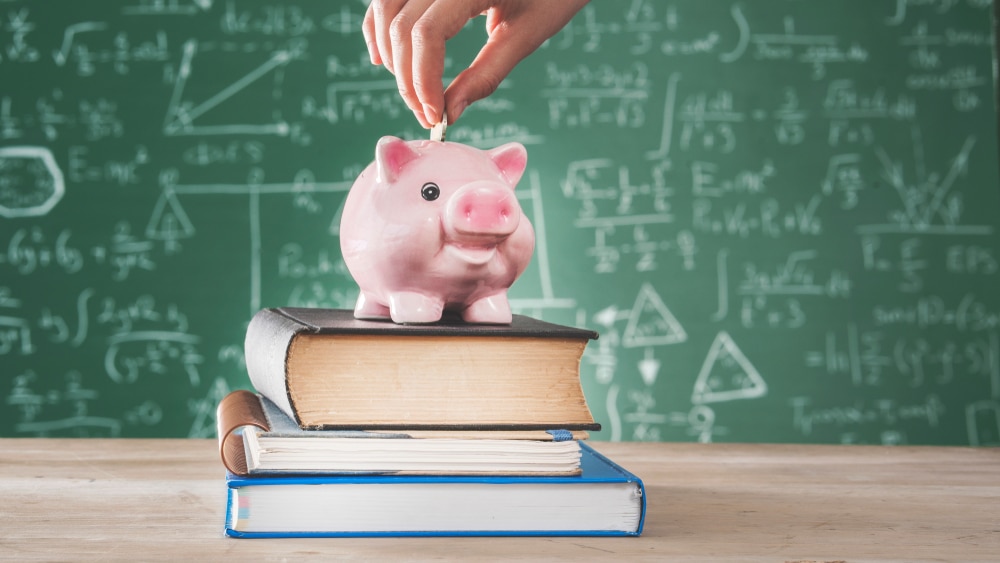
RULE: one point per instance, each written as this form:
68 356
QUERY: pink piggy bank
434 226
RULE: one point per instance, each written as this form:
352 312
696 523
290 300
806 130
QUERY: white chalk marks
650 322
31 183
169 222
727 375
182 114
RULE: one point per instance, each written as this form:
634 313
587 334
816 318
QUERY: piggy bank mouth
475 254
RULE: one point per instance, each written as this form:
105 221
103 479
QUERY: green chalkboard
782 216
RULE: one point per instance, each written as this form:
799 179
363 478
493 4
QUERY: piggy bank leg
490 310
368 308
408 307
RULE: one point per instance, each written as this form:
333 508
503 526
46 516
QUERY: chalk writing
782 217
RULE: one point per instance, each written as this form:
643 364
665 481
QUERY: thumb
498 57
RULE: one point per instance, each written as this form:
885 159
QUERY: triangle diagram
650 322
727 375
169 221
182 114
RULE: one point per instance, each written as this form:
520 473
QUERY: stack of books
363 428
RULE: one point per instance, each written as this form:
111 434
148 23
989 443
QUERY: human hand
408 37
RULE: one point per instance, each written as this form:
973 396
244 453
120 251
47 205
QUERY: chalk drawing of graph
183 115
929 198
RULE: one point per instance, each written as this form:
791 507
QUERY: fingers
428 67
516 29
401 35
368 30
494 62
481 79
382 13
441 21
408 37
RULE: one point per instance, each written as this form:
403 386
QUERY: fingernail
371 52
431 114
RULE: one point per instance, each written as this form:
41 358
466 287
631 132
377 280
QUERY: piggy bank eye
430 191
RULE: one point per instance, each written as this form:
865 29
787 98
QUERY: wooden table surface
103 500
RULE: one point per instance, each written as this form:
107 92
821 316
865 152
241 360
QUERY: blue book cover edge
607 471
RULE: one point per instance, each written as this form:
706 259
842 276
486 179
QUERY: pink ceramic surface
435 226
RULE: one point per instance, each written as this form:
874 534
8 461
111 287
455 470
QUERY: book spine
268 338
236 410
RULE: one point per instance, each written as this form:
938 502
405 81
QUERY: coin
438 131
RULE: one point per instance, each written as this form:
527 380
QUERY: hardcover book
328 370
257 438
605 499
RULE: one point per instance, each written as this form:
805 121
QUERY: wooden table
103 500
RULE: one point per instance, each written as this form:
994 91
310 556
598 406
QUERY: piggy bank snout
483 209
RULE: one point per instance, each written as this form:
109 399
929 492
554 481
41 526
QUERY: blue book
604 500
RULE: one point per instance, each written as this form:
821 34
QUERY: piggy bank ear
391 155
511 159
